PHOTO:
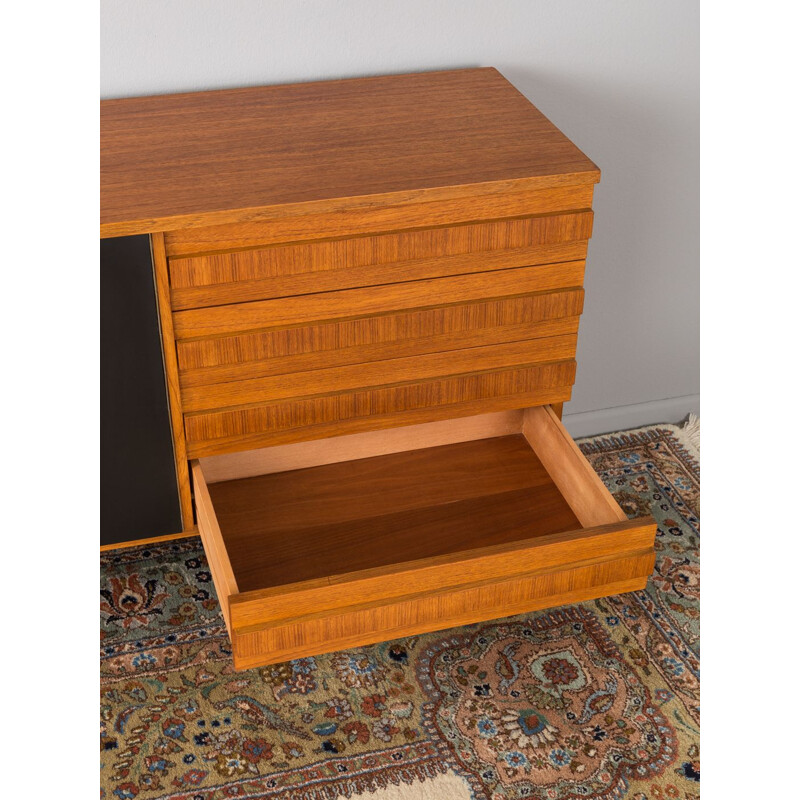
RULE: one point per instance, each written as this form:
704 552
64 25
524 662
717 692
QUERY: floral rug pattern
595 700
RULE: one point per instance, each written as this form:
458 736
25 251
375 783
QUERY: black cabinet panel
138 487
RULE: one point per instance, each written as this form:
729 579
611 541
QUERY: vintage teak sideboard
358 307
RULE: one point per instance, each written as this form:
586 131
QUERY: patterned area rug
596 700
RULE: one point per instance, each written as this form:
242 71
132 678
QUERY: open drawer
331 544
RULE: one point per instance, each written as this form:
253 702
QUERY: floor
598 699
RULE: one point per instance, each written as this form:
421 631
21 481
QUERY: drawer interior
339 518
361 512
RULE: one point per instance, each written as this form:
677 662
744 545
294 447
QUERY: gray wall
619 77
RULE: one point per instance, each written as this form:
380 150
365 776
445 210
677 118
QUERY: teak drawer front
384 372
367 260
333 414
307 222
374 300
404 333
503 516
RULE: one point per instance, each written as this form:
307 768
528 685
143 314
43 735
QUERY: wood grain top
187 160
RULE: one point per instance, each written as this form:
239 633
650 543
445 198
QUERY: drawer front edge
428 612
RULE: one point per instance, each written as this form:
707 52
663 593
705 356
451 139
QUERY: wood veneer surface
186 160
373 300
277 422
338 518
369 260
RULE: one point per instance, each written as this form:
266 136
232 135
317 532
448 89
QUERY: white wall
619 77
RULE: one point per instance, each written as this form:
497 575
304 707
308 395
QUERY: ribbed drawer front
374 300
270 423
332 343
300 268
383 372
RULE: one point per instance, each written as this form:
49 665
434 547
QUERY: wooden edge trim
175 222
580 485
214 545
104 548
315 453
168 349
262 608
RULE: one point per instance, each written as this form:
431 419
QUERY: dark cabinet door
138 487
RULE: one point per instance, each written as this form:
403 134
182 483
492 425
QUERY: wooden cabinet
369 295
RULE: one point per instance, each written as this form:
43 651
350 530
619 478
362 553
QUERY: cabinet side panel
138 489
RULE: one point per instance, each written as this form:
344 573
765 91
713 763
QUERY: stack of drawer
292 340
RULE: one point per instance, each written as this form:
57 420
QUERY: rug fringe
691 429
447 786
689 434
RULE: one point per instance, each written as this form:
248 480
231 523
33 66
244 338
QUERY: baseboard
609 420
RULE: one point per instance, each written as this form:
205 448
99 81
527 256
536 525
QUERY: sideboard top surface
189 160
